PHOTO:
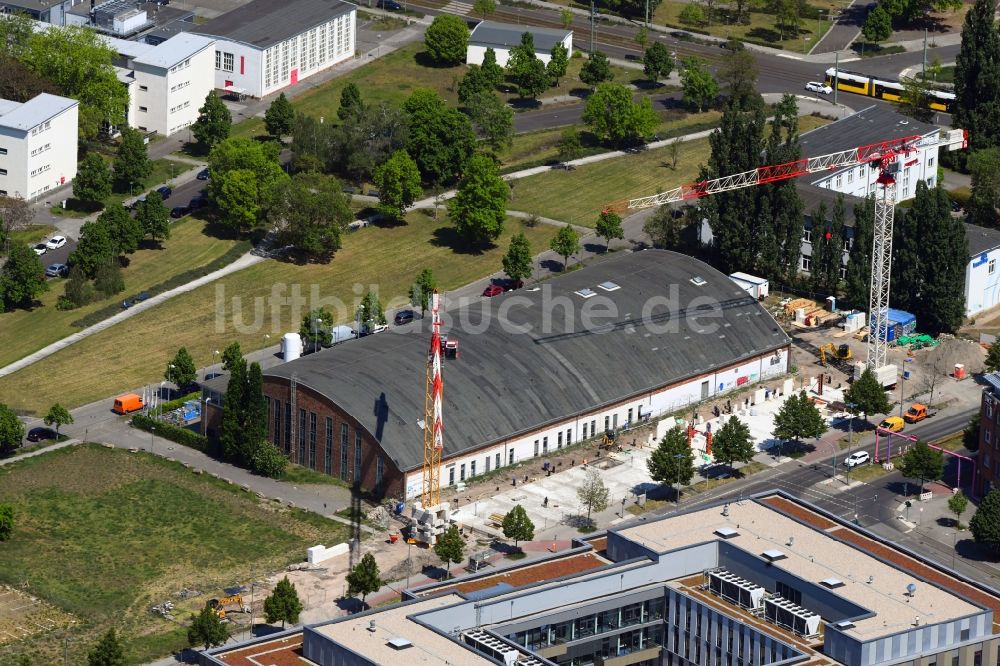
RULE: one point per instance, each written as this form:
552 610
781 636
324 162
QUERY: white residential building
869 126
502 37
265 46
172 80
982 276
37 145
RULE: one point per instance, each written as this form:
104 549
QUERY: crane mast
885 156
433 422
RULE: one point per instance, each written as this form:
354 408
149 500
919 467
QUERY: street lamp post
850 437
152 439
677 478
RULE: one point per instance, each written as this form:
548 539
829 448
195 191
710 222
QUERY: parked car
127 403
404 317
197 202
389 5
819 87
178 212
55 242
918 412
493 290
39 434
203 174
892 424
857 458
510 284
164 191
57 270
40 249
372 330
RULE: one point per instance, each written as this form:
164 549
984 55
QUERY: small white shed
502 37
755 286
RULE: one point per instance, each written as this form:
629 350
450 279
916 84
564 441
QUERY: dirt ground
22 615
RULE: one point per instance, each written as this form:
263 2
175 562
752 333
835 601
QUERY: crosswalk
456 7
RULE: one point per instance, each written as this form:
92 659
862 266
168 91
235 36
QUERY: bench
497 518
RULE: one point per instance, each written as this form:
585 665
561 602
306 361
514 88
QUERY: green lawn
614 180
190 246
135 351
33 234
163 170
105 534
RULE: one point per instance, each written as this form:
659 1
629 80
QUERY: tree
732 443
207 629
364 578
657 62
957 504
58 416
673 460
232 357
484 7
738 72
922 462
977 77
593 494
473 84
15 214
915 100
440 138
283 604
558 63
94 249
132 165
11 430
361 143
699 86
107 652
517 262
153 217
786 17
18 83
798 418
246 179
181 369
6 521
231 436
109 280
984 165
985 523
310 212
528 73
614 117
566 18
596 70
371 312
609 225
214 122
421 290
479 208
450 547
351 105
22 278
398 183
570 147
566 242
316 328
125 231
494 119
279 117
260 455
491 69
878 25
92 184
663 228
447 39
780 213
517 526
993 358
857 284
867 395
692 14
80 64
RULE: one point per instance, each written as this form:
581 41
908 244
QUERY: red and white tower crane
433 422
886 156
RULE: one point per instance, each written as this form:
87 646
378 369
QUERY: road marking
790 57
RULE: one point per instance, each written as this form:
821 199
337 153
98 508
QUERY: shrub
173 433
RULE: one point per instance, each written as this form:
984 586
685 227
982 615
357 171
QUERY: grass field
163 170
598 184
105 534
32 234
25 331
135 351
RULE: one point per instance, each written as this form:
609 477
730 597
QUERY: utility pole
647 25
593 14
924 70
836 75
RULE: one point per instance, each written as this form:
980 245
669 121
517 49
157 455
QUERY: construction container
900 323
755 286
854 321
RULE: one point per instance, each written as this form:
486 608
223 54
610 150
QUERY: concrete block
759 396
788 386
321 553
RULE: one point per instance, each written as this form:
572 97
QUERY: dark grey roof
264 23
812 195
871 125
506 383
981 239
506 35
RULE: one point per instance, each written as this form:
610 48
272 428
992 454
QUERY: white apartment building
37 145
172 80
868 126
265 46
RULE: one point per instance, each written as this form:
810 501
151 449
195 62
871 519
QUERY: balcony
634 657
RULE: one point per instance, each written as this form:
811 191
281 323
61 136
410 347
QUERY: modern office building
265 46
37 145
766 581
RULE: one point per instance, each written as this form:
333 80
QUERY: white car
819 87
40 249
55 242
857 458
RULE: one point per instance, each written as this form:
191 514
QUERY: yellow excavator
841 353
232 604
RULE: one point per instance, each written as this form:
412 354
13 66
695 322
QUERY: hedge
172 432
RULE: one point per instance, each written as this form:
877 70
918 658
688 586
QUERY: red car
493 290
